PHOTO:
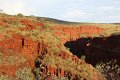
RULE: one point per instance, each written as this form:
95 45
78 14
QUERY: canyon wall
66 33
20 46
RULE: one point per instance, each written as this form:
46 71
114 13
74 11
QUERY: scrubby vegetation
11 59
24 74
110 70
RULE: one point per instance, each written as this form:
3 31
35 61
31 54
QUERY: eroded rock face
19 45
46 71
49 71
30 25
14 44
74 33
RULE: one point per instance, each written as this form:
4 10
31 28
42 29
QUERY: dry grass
11 59
24 74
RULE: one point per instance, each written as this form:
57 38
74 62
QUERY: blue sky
105 11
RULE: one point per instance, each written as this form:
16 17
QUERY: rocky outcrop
29 24
14 44
49 71
73 33
19 45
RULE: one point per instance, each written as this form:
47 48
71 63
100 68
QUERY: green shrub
20 15
24 74
7 77
45 26
1 57
1 27
2 77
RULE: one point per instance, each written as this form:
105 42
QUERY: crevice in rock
77 47
22 42
38 48
96 49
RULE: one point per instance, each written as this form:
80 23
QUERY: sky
98 11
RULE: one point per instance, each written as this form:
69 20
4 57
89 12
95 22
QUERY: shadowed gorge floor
96 49
77 47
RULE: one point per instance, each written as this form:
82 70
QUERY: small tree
20 15
1 11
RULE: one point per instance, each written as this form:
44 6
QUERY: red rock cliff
73 33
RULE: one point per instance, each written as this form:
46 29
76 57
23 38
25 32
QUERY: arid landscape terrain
39 48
